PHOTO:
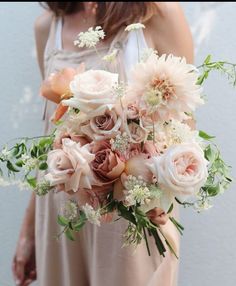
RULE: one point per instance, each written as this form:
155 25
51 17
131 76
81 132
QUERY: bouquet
123 149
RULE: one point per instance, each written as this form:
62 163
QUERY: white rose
70 166
93 92
180 172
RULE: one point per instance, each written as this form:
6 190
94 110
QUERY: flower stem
145 237
168 244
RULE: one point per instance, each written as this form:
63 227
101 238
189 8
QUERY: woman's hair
111 16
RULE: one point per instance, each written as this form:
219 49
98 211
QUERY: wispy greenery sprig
224 67
26 158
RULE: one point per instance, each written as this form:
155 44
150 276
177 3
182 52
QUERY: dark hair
111 16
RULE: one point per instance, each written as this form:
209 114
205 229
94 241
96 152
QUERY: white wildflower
42 188
178 133
135 26
110 57
71 210
120 143
202 205
29 163
133 181
138 194
91 214
5 154
90 38
4 183
146 53
119 90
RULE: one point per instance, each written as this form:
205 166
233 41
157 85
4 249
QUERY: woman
96 257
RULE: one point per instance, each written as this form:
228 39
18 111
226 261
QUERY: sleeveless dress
96 258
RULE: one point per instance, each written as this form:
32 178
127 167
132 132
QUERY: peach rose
181 171
107 165
58 83
102 127
70 166
136 166
74 137
93 92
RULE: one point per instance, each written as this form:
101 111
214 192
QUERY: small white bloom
202 205
5 154
91 214
146 53
178 133
42 188
70 210
135 26
90 38
110 57
29 163
138 194
120 143
4 183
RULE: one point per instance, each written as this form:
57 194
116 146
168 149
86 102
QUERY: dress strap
119 44
53 42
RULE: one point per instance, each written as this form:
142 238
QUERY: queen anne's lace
90 38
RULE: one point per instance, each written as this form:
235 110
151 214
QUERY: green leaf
43 166
210 153
170 209
19 163
34 151
15 150
45 142
11 167
78 225
69 234
42 157
126 213
214 190
32 181
207 60
201 79
204 135
62 220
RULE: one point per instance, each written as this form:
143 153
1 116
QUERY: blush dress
96 258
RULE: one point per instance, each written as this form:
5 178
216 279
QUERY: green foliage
226 68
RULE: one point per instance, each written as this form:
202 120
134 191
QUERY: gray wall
208 250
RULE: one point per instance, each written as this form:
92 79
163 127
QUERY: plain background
208 255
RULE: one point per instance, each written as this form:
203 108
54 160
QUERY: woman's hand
24 266
158 216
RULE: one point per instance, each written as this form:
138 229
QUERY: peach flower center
164 88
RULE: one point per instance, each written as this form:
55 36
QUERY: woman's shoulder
168 30
41 30
43 22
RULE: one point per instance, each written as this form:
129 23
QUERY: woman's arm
41 31
168 31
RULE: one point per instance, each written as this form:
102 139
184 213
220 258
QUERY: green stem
178 226
158 241
146 240
168 244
